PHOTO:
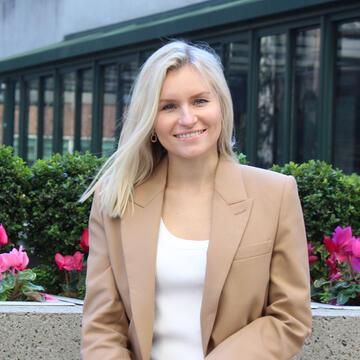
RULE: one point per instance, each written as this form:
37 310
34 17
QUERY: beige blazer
256 302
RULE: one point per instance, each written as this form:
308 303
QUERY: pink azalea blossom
312 258
3 236
355 258
17 259
64 262
84 243
78 261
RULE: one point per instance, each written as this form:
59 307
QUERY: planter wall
52 331
335 335
34 331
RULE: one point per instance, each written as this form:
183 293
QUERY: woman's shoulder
261 182
262 174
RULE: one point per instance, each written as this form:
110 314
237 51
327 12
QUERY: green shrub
48 277
56 218
329 199
14 182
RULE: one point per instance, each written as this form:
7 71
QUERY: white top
180 274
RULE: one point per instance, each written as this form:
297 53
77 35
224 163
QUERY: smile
190 134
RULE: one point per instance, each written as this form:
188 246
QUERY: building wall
30 24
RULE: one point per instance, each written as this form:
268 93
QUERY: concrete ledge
335 335
52 330
39 331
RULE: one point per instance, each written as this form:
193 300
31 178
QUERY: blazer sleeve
280 333
104 323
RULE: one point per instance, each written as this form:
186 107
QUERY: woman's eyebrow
201 94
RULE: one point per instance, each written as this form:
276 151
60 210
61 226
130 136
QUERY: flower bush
342 285
15 278
73 266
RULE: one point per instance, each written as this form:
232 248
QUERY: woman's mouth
191 134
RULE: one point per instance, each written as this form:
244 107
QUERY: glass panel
347 104
270 109
86 109
307 64
17 118
109 109
32 95
68 111
128 73
48 116
237 80
2 100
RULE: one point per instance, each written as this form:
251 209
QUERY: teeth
181 136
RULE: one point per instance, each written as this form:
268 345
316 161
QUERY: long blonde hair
136 157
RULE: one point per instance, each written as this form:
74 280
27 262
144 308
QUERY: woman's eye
168 107
200 101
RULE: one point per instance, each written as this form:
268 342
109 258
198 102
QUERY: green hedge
14 184
56 218
329 199
39 205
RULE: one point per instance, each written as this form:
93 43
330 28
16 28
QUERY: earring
153 137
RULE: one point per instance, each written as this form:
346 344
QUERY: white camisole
180 274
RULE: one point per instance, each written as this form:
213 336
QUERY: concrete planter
33 330
51 330
335 335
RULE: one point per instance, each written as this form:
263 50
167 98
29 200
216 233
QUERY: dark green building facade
293 68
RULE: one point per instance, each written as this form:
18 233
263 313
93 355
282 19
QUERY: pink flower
64 262
343 238
4 265
3 236
78 261
355 258
332 262
49 297
84 243
340 244
17 259
312 258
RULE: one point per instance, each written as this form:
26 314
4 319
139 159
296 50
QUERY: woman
192 256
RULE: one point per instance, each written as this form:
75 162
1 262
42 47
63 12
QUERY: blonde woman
192 255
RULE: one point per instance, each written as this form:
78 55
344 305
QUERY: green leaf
27 275
30 287
7 282
341 284
2 287
320 282
3 296
342 298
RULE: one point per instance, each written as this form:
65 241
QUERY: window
32 102
237 77
17 119
68 111
347 98
2 101
110 74
270 106
306 95
86 108
48 113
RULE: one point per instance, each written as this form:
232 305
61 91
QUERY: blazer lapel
139 234
230 214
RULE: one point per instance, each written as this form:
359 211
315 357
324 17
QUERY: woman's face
188 123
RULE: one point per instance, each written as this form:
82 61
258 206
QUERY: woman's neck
192 174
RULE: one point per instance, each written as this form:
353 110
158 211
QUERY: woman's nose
187 117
